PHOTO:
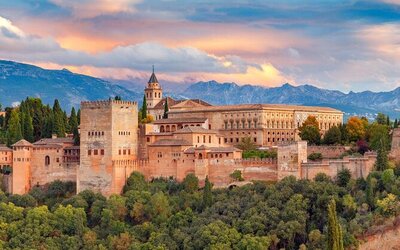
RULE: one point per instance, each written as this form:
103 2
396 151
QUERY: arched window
47 160
200 156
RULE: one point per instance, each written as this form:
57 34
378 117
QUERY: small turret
153 91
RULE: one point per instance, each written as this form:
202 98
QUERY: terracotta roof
4 147
54 140
240 107
180 120
178 103
22 143
191 150
73 147
195 129
171 142
57 146
161 103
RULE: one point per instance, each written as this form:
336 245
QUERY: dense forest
164 214
32 120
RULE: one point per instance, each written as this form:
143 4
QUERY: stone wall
359 167
395 150
328 152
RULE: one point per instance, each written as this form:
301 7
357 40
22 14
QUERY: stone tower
109 144
21 169
153 91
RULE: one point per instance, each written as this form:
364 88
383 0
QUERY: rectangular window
209 139
119 152
89 152
124 152
96 152
57 160
129 152
102 151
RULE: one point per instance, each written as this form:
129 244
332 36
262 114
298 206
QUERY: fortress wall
331 152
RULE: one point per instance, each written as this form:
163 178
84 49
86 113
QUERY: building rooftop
54 141
4 147
22 143
191 150
153 78
180 120
252 107
171 142
195 129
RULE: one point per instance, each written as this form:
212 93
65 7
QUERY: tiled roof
161 103
57 146
180 120
252 107
73 147
54 140
4 147
22 143
195 129
191 150
171 142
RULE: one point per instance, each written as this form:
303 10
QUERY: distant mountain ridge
362 103
18 80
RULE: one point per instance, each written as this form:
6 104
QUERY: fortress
197 137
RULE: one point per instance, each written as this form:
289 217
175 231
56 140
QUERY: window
95 152
119 152
102 151
47 160
124 151
58 160
89 152
209 139
148 139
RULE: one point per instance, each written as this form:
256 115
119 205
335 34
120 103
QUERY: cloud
93 8
141 56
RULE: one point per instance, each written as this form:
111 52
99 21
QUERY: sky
334 44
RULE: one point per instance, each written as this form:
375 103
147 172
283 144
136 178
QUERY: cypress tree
14 132
78 114
165 115
73 124
335 234
207 194
58 120
27 126
382 161
395 124
144 108
369 192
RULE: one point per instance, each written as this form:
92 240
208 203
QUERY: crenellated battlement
106 103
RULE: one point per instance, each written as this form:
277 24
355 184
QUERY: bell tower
153 91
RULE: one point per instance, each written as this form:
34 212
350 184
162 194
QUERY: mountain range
18 80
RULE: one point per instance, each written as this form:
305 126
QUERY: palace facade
197 138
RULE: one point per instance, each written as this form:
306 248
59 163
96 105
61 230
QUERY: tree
14 132
191 183
58 120
236 175
395 123
73 125
26 123
207 193
343 177
355 128
381 119
310 134
144 108
379 136
136 182
335 237
382 161
310 121
333 136
246 144
166 109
